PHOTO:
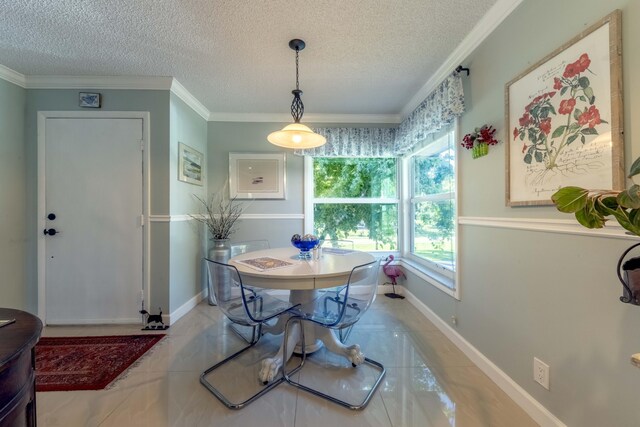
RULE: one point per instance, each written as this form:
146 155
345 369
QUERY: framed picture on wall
257 175
190 163
564 118
89 100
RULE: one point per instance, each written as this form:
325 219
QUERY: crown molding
182 93
12 76
485 26
308 118
99 82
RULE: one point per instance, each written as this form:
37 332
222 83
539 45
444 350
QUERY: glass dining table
280 268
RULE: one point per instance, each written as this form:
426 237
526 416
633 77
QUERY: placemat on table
265 263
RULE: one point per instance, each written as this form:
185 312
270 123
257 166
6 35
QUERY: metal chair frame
252 303
238 248
335 325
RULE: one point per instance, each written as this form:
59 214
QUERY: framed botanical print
564 119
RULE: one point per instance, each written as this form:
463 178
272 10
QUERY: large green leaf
630 198
589 216
605 205
622 217
635 168
570 199
634 217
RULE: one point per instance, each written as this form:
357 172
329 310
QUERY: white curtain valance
354 142
438 110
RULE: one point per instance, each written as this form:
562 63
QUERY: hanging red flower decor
479 141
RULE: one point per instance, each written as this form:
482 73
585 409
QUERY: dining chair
252 307
352 302
238 248
344 333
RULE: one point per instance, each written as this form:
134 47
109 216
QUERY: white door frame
42 121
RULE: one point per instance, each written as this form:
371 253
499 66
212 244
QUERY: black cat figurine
154 318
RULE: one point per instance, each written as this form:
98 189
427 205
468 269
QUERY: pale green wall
527 293
226 137
157 104
13 174
187 241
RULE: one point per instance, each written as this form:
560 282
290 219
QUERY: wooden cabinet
17 368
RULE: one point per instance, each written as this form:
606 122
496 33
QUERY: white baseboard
184 308
539 413
74 322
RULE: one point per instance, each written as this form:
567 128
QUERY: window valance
354 142
439 109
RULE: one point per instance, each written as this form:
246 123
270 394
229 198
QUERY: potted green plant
592 208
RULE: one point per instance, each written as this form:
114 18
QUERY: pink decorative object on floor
392 272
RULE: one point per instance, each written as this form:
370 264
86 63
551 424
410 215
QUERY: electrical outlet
541 372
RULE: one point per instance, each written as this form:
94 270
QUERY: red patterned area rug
87 363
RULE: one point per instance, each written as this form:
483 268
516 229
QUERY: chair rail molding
547 225
183 217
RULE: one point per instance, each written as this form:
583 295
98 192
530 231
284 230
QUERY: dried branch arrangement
220 216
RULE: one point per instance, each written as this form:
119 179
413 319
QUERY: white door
94 181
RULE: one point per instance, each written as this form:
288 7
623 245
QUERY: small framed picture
190 163
257 175
89 100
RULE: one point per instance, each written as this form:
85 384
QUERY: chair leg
217 393
285 350
353 406
256 331
250 339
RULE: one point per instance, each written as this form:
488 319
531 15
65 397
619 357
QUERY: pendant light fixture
296 135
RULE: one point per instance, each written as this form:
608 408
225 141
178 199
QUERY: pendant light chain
297 107
297 83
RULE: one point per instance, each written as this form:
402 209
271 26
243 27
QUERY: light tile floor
429 382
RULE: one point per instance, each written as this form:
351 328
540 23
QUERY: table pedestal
315 337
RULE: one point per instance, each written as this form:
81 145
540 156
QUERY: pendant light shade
296 135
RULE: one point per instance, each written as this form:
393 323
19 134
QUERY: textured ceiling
362 56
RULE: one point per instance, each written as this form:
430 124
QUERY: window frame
443 278
310 201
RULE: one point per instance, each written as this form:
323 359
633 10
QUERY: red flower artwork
543 138
566 106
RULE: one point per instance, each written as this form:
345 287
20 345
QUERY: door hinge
141 145
141 220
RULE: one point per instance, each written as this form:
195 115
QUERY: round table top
19 335
332 269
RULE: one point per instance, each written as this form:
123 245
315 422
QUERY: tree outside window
356 199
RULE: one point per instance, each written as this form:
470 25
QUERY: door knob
51 216
51 231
